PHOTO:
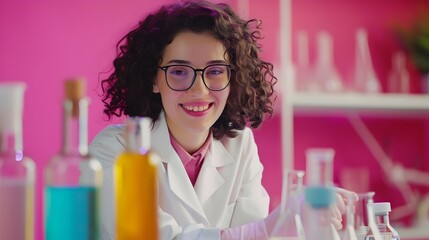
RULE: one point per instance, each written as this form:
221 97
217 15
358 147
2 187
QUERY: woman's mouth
196 108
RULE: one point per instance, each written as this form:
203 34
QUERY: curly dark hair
128 90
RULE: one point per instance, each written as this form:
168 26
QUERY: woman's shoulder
244 136
108 134
108 143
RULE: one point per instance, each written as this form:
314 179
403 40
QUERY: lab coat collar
209 179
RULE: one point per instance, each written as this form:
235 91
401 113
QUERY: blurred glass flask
17 172
398 78
365 78
289 225
73 178
325 72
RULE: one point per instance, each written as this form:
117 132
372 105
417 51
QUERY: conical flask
289 225
365 78
325 72
135 178
17 172
73 178
319 195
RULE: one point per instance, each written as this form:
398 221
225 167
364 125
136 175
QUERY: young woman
194 69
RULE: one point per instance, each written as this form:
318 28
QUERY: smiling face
191 113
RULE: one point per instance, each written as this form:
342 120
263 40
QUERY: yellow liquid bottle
135 174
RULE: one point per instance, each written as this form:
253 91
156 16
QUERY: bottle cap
381 208
75 90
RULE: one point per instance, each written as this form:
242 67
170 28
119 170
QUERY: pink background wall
45 42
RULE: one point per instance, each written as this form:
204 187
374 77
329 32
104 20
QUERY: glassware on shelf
289 225
135 178
365 78
319 195
17 171
381 212
398 80
304 80
325 72
73 178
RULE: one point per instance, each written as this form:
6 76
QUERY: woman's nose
198 88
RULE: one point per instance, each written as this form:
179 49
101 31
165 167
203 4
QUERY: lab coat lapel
178 179
210 179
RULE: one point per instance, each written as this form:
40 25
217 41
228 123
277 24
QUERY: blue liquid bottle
73 178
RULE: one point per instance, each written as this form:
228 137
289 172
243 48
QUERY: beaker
289 225
319 195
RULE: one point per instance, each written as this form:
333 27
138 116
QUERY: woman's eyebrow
186 62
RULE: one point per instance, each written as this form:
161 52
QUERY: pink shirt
192 163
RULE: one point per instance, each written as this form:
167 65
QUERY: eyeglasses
181 77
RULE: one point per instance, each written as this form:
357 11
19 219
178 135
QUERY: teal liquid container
73 179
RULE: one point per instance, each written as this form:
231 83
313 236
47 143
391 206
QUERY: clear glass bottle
17 172
381 213
289 225
319 195
135 178
73 179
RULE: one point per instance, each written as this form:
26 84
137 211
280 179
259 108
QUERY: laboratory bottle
373 232
135 178
73 178
17 171
365 78
319 195
381 213
398 77
289 225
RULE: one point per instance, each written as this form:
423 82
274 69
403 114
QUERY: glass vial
135 178
17 172
289 225
381 212
73 178
319 195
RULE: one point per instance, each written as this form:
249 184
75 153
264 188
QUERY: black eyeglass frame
165 68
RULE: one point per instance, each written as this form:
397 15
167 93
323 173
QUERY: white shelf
352 101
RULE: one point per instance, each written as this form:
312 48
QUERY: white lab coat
227 193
